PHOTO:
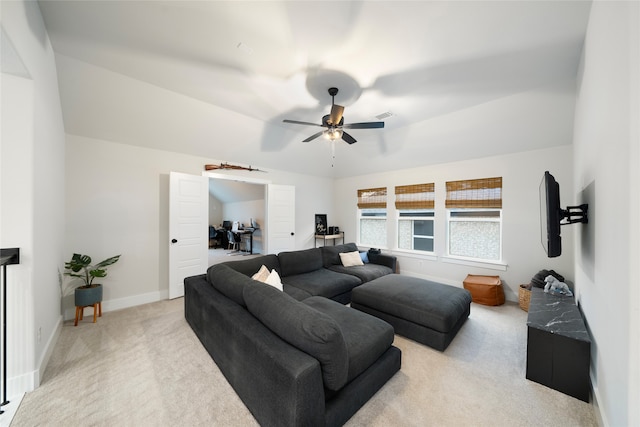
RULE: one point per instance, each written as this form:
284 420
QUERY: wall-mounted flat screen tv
550 215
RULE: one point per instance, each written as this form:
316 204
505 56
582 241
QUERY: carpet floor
144 366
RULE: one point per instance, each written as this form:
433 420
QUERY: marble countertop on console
557 315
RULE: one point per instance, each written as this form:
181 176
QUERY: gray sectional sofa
298 357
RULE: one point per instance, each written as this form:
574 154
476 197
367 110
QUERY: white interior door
281 218
188 229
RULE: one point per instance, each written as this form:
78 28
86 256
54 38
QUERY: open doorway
238 205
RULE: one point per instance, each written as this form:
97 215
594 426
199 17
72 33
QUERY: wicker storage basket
524 296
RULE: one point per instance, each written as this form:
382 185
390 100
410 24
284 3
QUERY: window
372 207
474 218
415 216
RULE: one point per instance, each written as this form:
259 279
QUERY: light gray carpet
144 366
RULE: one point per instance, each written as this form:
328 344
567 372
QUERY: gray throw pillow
303 327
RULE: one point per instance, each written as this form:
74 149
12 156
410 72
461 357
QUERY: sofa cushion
299 262
228 281
366 337
303 327
434 305
250 266
365 273
331 254
323 282
294 292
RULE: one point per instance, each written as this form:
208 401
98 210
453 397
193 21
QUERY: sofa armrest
382 259
280 384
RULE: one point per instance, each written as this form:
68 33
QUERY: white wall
215 211
32 196
117 203
522 250
606 176
244 211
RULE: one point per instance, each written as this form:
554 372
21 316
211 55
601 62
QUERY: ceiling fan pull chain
333 152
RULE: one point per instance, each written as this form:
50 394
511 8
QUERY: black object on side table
558 345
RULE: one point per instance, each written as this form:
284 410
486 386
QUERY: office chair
213 237
234 240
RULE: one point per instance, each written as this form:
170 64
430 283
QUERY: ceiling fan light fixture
333 134
334 122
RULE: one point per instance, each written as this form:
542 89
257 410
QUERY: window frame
431 217
498 219
474 195
417 199
383 218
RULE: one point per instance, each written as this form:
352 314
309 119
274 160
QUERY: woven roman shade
372 198
475 193
416 196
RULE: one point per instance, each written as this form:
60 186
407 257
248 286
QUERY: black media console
558 345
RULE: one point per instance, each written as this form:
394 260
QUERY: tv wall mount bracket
575 214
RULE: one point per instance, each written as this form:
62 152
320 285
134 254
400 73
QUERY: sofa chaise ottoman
427 312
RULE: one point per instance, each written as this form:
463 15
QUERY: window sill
481 264
413 254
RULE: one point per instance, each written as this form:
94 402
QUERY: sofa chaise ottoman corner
428 312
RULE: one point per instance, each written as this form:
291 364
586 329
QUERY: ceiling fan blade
336 114
296 122
348 138
364 125
314 136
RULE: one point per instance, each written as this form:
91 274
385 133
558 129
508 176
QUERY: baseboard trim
120 303
601 417
10 410
46 355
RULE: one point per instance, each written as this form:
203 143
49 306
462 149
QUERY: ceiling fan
334 123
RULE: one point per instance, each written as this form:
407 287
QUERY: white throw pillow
350 259
262 274
274 280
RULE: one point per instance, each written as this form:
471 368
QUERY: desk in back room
247 231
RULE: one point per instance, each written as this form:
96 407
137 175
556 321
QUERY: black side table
558 345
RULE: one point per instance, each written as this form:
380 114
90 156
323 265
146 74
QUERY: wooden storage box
485 290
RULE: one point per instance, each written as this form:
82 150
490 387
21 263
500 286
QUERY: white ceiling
230 191
463 79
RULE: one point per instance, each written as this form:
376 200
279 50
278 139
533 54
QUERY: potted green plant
80 267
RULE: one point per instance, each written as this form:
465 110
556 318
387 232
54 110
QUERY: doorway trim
246 180
237 178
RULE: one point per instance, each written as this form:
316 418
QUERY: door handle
174 241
